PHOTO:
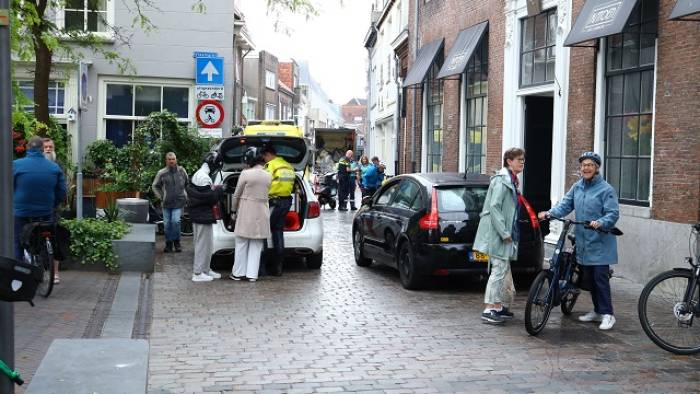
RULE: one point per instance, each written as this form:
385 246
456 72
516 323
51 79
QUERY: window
85 15
537 49
386 195
57 95
249 108
127 104
270 111
434 134
405 195
477 108
270 80
630 96
461 199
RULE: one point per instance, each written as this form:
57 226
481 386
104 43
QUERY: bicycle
670 302
38 240
545 292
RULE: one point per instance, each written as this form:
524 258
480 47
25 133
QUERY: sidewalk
76 308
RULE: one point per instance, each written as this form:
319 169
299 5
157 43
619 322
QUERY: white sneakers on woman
606 321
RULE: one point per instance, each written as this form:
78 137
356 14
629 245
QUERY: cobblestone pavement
351 329
72 311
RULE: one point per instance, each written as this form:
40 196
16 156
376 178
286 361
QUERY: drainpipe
397 114
416 4
369 100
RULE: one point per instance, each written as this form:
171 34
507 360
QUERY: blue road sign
209 70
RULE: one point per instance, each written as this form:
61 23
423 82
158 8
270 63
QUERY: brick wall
676 172
445 19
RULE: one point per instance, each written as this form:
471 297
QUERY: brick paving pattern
69 312
351 329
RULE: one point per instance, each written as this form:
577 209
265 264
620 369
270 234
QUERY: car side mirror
367 200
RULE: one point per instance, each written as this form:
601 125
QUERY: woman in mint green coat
497 236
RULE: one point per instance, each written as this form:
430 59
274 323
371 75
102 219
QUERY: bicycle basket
18 280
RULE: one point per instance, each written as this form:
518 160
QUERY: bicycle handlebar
587 225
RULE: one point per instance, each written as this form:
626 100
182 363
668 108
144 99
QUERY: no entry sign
210 114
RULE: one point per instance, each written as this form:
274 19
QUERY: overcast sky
331 42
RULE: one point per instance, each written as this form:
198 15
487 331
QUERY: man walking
280 202
344 171
169 185
39 188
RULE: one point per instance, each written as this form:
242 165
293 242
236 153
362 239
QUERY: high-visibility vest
282 177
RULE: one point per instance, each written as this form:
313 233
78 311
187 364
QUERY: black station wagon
425 224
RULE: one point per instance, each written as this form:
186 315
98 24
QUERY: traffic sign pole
7 323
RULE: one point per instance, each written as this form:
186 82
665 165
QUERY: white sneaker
608 322
214 274
590 316
201 278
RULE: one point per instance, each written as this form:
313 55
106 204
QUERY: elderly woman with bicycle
594 201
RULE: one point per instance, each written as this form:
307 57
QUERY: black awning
600 18
462 50
424 59
685 8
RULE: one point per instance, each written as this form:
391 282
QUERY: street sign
209 70
210 114
205 54
213 92
212 133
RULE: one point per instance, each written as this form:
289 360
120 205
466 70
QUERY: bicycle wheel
568 302
666 317
539 303
46 262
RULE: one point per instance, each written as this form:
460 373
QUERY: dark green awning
685 8
600 18
424 59
462 50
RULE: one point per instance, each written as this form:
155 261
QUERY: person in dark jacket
344 169
201 201
169 185
39 187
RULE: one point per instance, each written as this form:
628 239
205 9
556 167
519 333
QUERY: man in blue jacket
39 187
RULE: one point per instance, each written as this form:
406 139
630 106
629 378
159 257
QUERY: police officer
280 202
344 170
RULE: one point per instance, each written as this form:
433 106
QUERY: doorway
537 177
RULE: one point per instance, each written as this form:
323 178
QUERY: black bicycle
557 285
38 243
669 302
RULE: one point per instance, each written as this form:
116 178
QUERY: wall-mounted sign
210 114
209 92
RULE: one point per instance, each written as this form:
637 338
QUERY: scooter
327 189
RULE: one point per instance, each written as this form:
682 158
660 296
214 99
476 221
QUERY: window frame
609 75
54 86
433 158
547 47
60 20
270 79
470 98
274 110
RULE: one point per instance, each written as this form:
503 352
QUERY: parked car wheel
407 269
315 261
360 258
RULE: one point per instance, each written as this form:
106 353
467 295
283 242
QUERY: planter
90 185
103 199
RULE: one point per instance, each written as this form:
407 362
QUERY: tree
36 37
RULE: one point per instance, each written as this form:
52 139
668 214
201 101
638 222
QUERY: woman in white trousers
251 212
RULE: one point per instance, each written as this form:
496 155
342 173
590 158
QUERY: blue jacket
593 200
39 185
370 177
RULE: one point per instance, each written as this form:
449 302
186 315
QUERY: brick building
261 85
558 78
354 114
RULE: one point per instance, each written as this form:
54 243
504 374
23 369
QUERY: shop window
537 48
477 75
434 94
629 104
91 16
129 104
57 95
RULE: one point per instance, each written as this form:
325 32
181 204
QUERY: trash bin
133 210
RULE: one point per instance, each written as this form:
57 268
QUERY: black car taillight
430 220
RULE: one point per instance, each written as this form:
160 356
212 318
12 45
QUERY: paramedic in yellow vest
280 202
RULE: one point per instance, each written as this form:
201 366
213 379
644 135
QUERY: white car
303 231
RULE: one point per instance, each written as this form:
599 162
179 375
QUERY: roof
357 101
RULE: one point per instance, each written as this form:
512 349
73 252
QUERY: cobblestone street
350 329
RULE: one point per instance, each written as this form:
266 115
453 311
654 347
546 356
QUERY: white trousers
247 257
203 244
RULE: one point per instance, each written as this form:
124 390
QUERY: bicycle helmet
590 155
252 156
213 160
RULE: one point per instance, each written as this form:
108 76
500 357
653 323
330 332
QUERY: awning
462 50
685 8
600 18
424 59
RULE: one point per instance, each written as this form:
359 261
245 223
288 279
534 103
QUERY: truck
330 145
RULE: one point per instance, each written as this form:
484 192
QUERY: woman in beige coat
251 212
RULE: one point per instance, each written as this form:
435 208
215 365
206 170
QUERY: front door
537 177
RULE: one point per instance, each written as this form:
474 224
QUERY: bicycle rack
12 375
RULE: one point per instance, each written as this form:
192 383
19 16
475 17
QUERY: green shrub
91 240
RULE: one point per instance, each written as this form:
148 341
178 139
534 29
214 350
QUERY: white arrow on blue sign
209 70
